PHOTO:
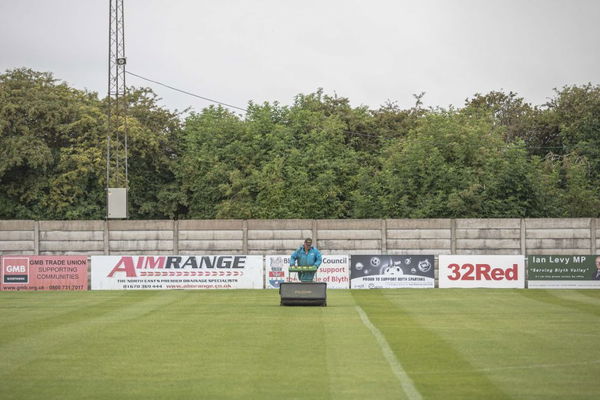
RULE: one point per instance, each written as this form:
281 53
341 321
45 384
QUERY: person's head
598 262
308 243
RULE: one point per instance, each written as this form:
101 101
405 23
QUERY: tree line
496 156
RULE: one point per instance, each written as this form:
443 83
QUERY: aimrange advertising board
177 272
482 271
334 271
563 272
387 272
44 273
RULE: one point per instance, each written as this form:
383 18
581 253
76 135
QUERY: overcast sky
370 51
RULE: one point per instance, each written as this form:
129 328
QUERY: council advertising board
44 273
334 271
481 271
177 272
563 272
387 272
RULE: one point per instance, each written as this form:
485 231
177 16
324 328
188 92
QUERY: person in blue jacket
306 255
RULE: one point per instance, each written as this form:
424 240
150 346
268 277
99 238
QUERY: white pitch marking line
407 384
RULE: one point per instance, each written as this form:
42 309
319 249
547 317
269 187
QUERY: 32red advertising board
482 271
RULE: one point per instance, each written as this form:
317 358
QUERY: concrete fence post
314 229
523 236
245 236
175 237
453 236
384 236
36 237
106 239
593 227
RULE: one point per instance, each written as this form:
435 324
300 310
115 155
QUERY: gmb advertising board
386 272
177 272
334 270
481 271
44 273
563 272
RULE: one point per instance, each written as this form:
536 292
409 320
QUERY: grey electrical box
117 203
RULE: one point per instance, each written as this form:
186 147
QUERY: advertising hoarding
177 272
386 272
334 270
563 272
481 271
44 273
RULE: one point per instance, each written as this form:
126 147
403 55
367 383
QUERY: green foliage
279 162
154 149
578 115
320 157
52 151
48 159
455 164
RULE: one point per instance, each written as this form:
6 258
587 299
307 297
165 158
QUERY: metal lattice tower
117 182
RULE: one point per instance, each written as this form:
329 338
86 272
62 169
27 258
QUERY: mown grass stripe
525 367
594 293
550 297
448 373
357 370
23 349
407 384
52 309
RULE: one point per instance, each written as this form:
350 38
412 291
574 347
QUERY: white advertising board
177 272
334 270
481 271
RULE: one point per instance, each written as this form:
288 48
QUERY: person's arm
293 258
319 258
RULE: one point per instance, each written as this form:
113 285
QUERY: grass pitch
446 343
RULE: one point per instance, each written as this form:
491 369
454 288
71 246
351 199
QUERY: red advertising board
44 273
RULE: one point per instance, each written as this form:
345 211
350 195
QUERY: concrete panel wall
390 236
18 237
277 236
419 236
358 236
71 237
210 236
559 236
140 237
488 236
51 237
